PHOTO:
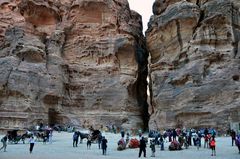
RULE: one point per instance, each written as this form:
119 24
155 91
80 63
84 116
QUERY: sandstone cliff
195 63
77 62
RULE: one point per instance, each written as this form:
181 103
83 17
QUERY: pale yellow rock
195 65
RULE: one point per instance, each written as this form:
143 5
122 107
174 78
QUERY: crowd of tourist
178 139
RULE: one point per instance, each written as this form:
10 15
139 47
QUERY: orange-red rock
71 62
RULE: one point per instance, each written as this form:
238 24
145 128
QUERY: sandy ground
61 148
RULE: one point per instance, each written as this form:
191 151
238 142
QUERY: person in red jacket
213 146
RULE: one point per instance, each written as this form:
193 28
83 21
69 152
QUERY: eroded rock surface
71 62
195 63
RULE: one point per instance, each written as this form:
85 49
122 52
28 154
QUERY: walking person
142 147
233 135
238 143
31 141
4 141
89 142
99 140
213 146
104 145
152 146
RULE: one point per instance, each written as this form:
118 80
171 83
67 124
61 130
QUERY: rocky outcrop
72 62
195 63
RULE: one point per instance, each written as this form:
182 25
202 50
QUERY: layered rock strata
72 62
195 63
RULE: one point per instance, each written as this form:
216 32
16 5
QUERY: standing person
31 141
174 134
238 143
50 136
195 136
104 145
205 131
44 139
122 133
161 142
213 146
189 137
4 141
114 129
199 134
206 140
142 147
75 139
127 138
198 139
89 142
152 146
185 142
156 139
99 140
169 135
233 135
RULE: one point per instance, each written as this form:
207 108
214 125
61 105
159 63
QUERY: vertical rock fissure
199 22
198 4
142 58
179 35
235 34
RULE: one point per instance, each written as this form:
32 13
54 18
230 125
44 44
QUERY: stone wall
195 63
71 62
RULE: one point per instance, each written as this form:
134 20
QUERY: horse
13 137
82 136
95 134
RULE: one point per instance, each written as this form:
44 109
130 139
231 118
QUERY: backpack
212 143
4 139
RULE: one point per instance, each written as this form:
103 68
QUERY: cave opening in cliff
52 117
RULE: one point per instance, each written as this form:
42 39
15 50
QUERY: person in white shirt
50 136
31 141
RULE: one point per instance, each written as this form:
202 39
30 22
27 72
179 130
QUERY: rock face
195 63
77 62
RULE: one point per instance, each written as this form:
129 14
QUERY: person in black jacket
142 147
233 135
104 145
75 139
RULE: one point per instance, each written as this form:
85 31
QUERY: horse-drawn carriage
14 137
